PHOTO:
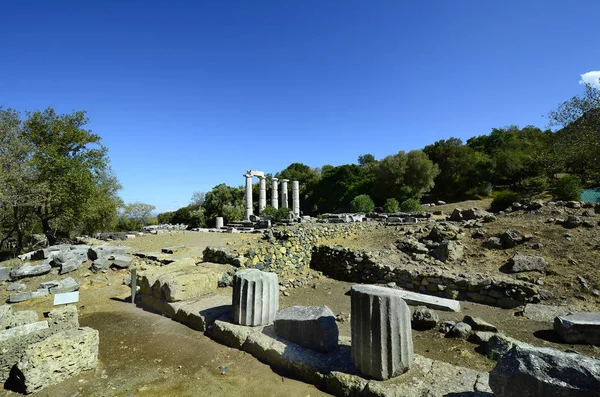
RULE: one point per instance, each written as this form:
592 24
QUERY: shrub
233 212
536 184
504 199
391 205
411 205
567 188
281 214
269 211
362 203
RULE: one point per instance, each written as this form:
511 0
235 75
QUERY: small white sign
67 297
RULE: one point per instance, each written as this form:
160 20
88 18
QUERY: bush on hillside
504 199
567 188
362 203
411 205
391 205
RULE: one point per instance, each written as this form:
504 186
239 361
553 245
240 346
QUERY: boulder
572 222
30 271
499 344
57 358
121 261
313 327
446 326
424 318
511 238
544 372
65 285
493 243
448 251
579 327
99 264
460 330
478 324
526 263
69 261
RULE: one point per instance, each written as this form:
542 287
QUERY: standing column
248 195
296 198
275 194
262 196
284 193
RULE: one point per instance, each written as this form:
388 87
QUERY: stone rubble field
488 295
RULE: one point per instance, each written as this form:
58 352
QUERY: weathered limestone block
432 302
499 344
63 318
540 372
382 346
199 280
24 296
5 273
65 285
14 340
69 260
30 271
16 287
121 261
98 251
147 279
255 297
202 313
546 313
309 326
581 327
99 264
23 317
57 358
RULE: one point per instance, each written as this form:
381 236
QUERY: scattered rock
460 330
499 344
24 296
424 318
526 263
121 261
30 271
572 222
449 251
538 371
511 238
446 326
16 287
478 324
481 337
493 243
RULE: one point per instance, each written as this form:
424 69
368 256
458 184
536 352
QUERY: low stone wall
286 251
361 267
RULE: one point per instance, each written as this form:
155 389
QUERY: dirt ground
145 354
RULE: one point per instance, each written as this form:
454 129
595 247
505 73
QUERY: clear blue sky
187 95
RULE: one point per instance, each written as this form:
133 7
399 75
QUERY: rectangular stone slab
580 327
432 302
546 313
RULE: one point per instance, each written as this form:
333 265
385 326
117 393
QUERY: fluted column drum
382 345
255 297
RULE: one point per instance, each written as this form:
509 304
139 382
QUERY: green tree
221 196
405 175
410 205
362 203
577 143
138 212
198 198
365 160
69 161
